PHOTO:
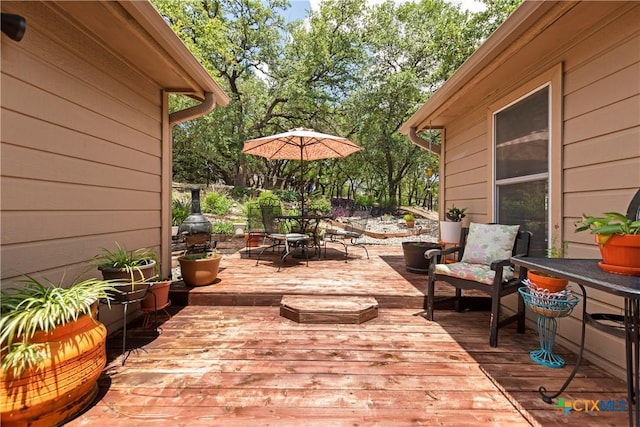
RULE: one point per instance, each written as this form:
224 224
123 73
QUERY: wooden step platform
328 309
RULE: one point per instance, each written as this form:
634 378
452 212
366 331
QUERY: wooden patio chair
483 264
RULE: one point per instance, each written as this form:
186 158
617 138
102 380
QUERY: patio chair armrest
430 254
500 264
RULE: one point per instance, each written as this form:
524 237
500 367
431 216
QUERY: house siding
81 151
600 167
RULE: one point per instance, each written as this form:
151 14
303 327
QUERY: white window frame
553 79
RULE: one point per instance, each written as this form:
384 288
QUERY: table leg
632 347
548 398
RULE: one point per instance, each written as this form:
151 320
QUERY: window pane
522 137
525 203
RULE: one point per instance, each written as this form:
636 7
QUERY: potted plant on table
618 238
136 268
451 228
200 269
53 350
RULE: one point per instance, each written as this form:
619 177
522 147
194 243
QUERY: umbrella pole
302 176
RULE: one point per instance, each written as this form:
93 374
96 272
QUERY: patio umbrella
300 144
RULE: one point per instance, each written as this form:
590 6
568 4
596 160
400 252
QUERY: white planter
450 231
239 226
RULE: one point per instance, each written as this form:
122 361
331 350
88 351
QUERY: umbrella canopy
300 144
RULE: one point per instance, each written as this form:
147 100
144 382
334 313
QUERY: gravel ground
380 225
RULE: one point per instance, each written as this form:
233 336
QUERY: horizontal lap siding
465 185
601 137
81 149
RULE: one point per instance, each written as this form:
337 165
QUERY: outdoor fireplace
196 228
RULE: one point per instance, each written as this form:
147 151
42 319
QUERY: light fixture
13 26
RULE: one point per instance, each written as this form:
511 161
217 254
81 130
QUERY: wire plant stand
549 307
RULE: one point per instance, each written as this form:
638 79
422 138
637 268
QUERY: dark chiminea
196 228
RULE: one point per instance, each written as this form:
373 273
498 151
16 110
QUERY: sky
299 8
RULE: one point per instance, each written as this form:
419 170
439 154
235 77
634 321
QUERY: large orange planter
67 381
621 254
199 272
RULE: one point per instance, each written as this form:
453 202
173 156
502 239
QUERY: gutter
421 142
202 109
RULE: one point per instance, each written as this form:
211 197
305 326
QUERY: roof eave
512 28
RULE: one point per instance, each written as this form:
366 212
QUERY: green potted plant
451 228
136 268
200 269
409 220
618 238
53 349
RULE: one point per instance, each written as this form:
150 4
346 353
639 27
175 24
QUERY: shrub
180 210
286 195
320 205
217 204
240 193
223 227
364 201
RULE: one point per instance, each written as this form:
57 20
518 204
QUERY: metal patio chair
350 235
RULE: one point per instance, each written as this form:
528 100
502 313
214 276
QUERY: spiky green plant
41 307
129 261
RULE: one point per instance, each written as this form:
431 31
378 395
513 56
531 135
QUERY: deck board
246 365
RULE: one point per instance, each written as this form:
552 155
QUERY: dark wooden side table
586 273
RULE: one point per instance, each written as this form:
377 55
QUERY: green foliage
123 258
129 261
408 217
455 214
287 195
180 210
41 306
202 255
216 203
607 225
223 227
364 201
268 198
240 193
320 205
351 69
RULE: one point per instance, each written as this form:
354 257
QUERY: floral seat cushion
485 244
475 272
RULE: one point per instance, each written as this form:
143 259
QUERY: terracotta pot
65 383
410 224
414 255
552 284
199 272
621 254
161 292
253 240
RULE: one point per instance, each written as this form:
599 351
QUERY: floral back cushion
489 242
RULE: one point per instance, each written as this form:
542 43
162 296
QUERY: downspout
421 142
204 108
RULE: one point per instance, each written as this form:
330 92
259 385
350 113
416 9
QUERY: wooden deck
241 365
